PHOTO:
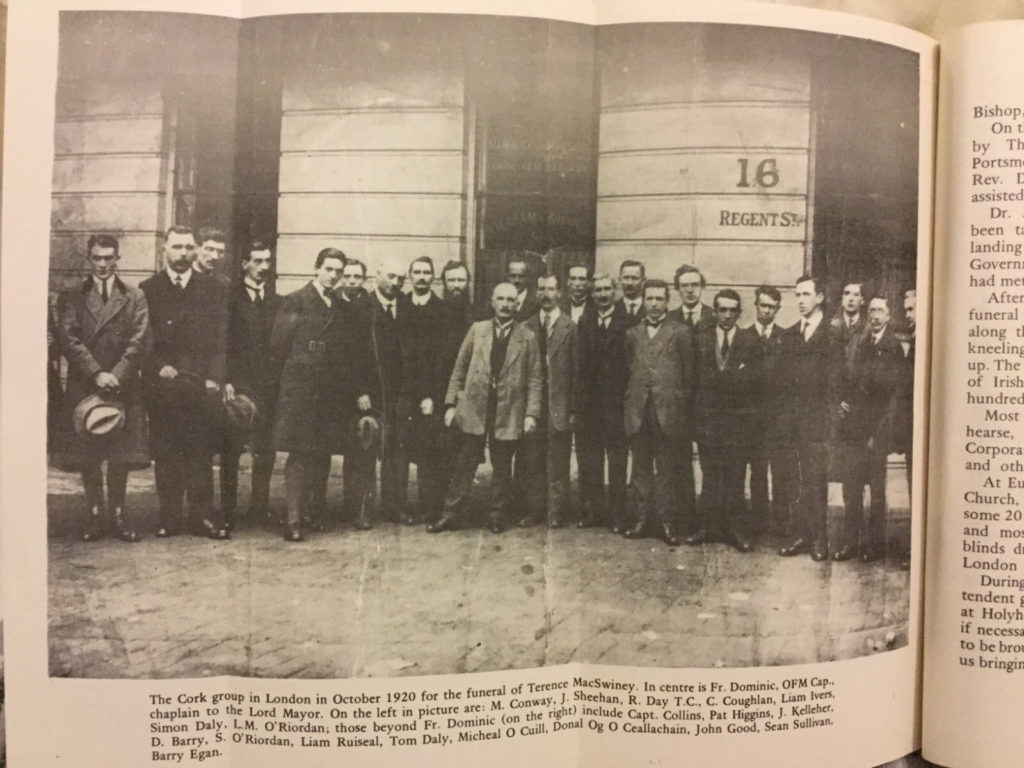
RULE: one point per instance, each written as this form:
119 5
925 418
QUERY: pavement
396 601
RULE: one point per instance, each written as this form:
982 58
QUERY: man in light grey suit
660 352
494 397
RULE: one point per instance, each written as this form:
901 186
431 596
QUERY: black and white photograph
388 345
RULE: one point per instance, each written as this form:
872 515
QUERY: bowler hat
98 415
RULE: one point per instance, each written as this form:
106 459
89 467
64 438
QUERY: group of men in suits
408 377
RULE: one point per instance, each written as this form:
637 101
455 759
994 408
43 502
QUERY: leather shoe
586 521
445 523
526 522
868 554
406 519
797 546
668 534
495 526
166 531
206 528
555 522
845 552
638 531
293 534
739 542
617 528
696 538
819 551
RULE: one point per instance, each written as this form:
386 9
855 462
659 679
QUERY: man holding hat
103 331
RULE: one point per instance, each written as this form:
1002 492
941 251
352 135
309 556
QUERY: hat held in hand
98 415
241 412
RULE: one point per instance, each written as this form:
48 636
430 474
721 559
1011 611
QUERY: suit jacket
531 306
604 370
566 306
325 360
189 326
808 381
112 337
770 396
249 366
870 388
560 370
661 368
421 332
707 316
632 320
385 337
519 383
729 390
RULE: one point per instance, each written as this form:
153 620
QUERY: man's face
389 281
328 273
503 301
727 312
209 255
853 299
517 275
257 268
631 280
689 288
576 284
179 251
603 293
421 275
352 279
767 308
456 283
103 261
878 314
548 292
808 299
910 310
655 303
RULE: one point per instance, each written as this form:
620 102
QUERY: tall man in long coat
657 414
182 380
494 398
603 378
729 373
322 353
252 306
103 331
807 373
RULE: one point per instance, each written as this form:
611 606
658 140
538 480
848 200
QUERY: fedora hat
241 412
98 415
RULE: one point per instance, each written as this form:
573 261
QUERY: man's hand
229 392
427 406
212 386
529 425
449 416
107 382
844 408
363 403
168 372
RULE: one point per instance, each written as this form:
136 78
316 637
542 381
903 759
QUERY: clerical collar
179 278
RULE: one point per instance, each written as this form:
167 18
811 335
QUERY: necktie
804 325
104 294
725 343
689 317
604 323
258 299
632 311
178 282
391 310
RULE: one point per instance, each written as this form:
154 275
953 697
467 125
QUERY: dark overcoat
728 395
115 338
870 388
249 366
324 362
603 371
807 372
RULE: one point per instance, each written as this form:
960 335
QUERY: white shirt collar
323 292
719 333
420 301
520 300
500 327
848 321
812 322
763 329
384 301
185 276
552 315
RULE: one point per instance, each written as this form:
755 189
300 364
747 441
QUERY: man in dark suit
518 274
866 395
494 397
729 373
424 381
771 439
807 363
849 322
552 443
660 352
692 313
631 283
252 306
103 330
577 292
350 285
603 378
211 245
182 380
323 355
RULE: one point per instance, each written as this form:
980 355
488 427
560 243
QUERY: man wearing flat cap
103 331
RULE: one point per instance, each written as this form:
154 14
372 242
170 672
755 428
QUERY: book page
723 585
974 653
